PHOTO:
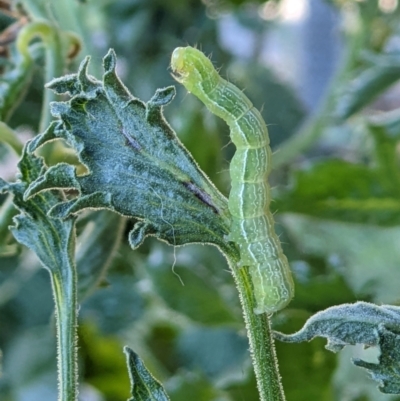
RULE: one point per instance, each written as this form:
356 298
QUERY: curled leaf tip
110 61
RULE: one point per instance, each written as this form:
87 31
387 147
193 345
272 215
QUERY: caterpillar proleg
252 222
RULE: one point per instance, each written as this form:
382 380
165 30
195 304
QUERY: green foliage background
337 198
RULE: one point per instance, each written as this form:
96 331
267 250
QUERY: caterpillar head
194 70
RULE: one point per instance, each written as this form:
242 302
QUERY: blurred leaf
30 366
8 136
144 386
368 84
389 122
268 94
96 247
343 191
194 123
359 323
161 339
191 292
7 242
28 111
115 306
173 199
387 158
185 385
32 304
244 390
365 255
220 353
102 362
13 86
316 291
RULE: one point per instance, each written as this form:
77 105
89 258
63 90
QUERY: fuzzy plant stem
64 284
262 346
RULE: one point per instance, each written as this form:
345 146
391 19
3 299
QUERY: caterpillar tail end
271 309
273 298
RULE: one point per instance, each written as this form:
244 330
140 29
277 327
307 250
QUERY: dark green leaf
184 386
344 191
115 306
359 323
144 386
136 164
97 245
193 292
315 292
220 352
7 212
103 363
194 123
13 85
350 192
387 162
368 85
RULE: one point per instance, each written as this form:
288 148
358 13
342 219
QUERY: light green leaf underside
360 323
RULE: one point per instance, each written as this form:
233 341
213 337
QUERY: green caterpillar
252 222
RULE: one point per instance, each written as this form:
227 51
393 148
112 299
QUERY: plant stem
64 283
260 337
55 64
56 55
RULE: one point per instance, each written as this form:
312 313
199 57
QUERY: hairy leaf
52 240
387 372
144 386
137 166
359 323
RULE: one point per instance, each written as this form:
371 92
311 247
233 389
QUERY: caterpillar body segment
249 199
